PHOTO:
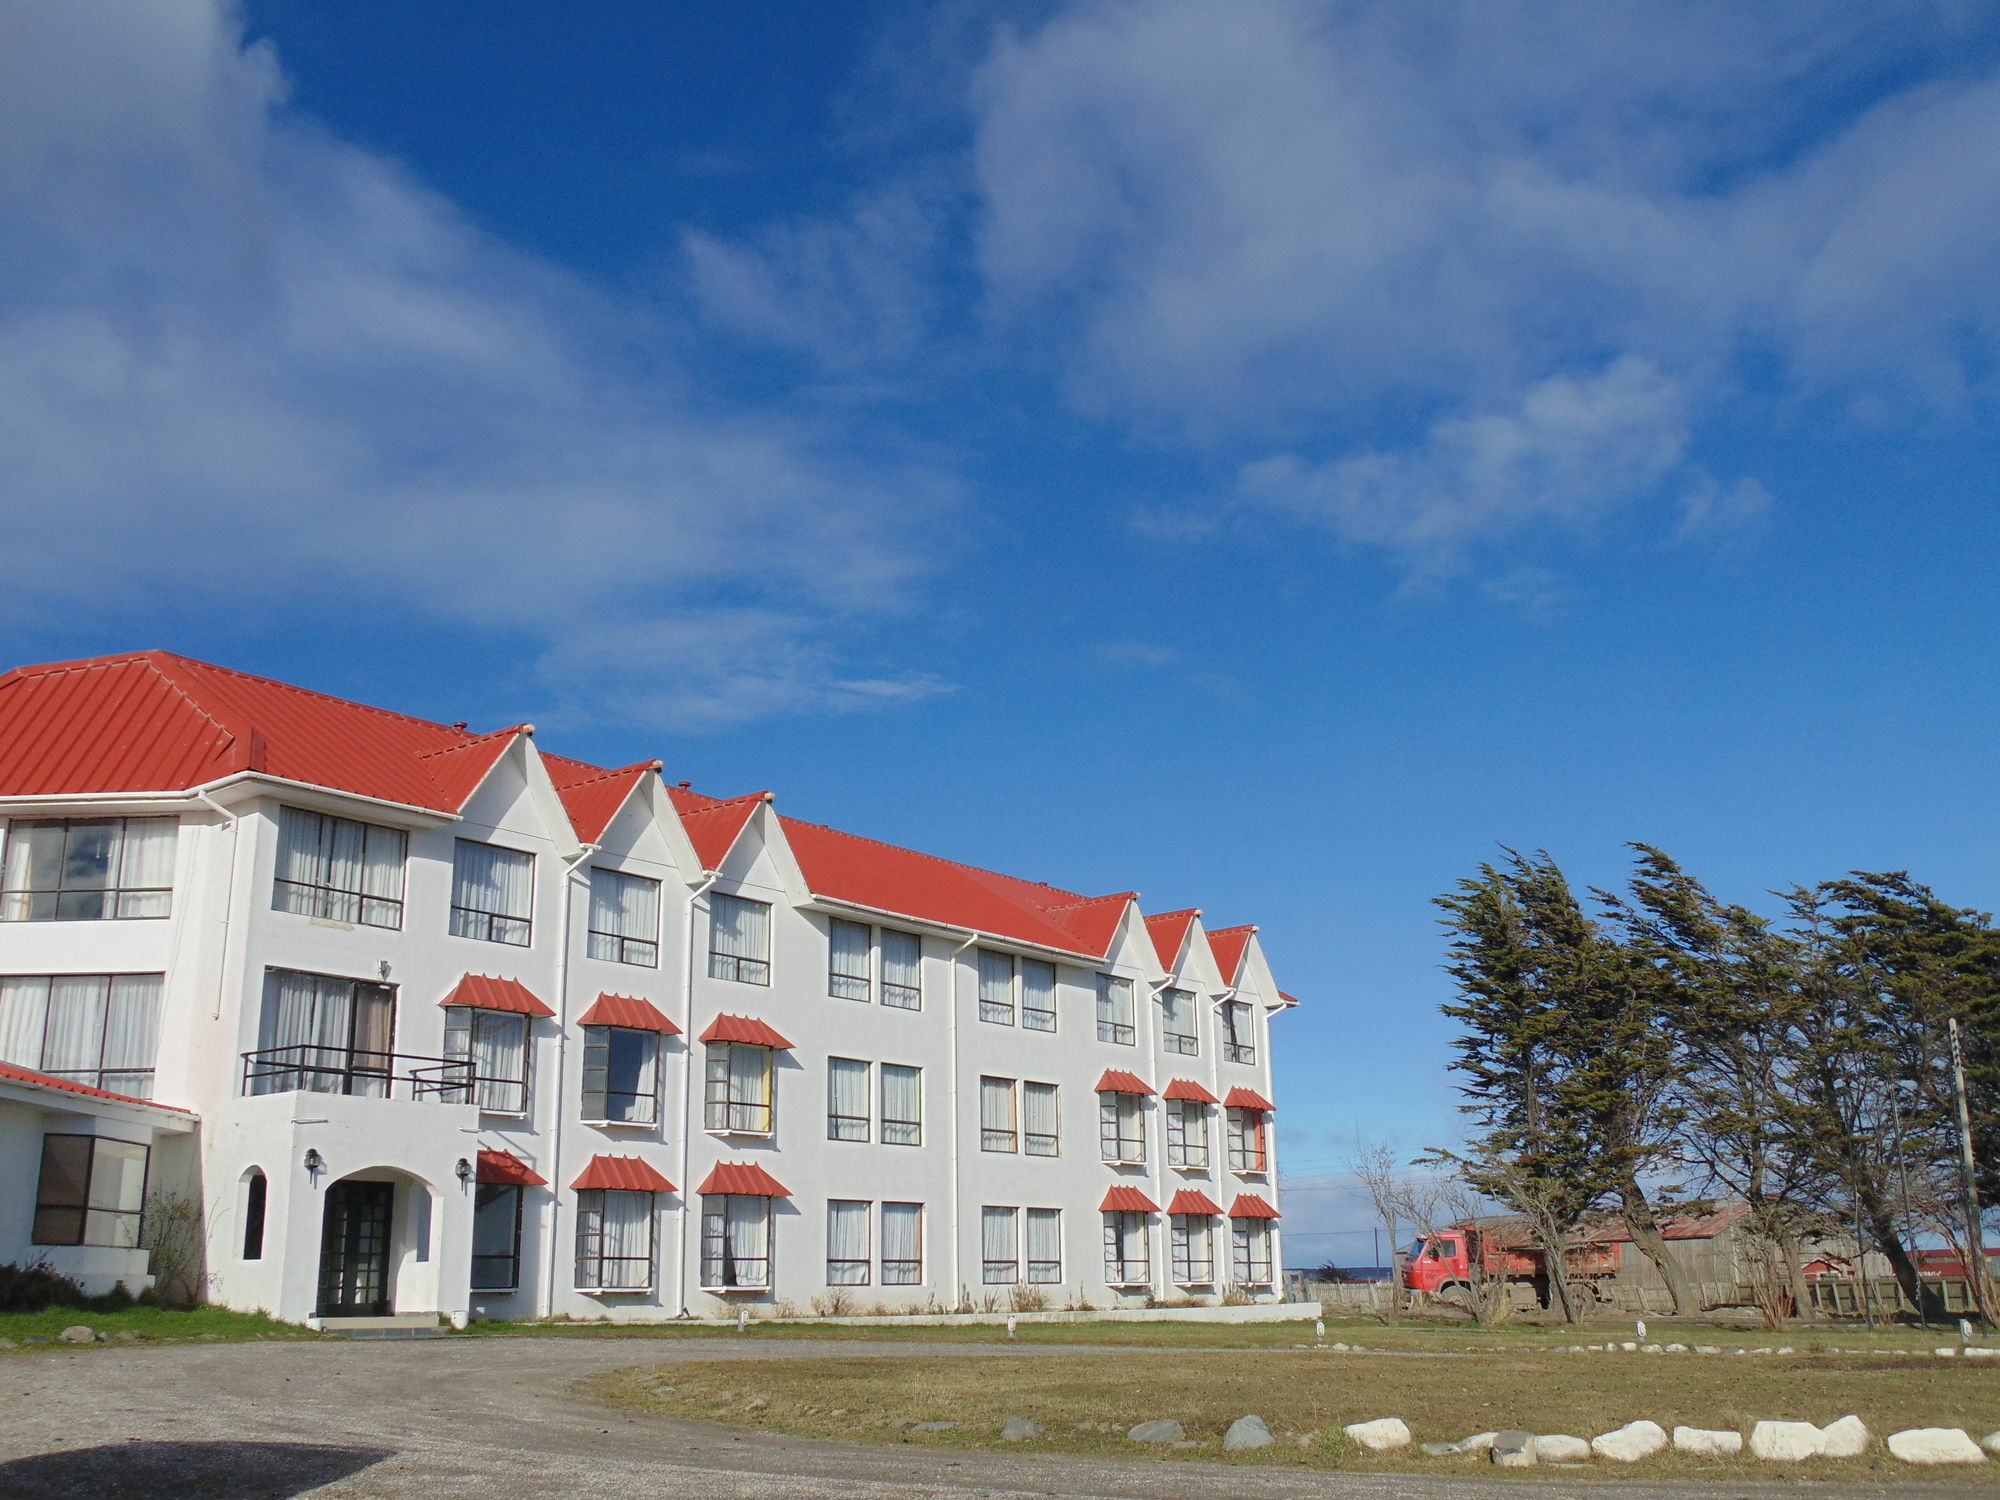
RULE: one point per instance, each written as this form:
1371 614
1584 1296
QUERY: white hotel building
432 1022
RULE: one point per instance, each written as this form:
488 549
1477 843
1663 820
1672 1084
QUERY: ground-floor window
735 1241
999 1245
902 1244
1193 1246
1251 1240
92 1192
848 1257
614 1240
1127 1260
496 1237
256 1200
1045 1255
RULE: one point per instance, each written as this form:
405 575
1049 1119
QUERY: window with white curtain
326 1035
847 1252
338 869
847 1112
1177 1023
735 1241
996 987
1045 1252
1114 1010
902 969
1250 1240
492 893
738 1094
739 939
614 1240
1187 1133
902 1244
997 1128
92 1191
494 1045
850 946
1246 1140
1041 1130
1239 1031
621 1075
999 1245
99 1029
1038 995
1193 1249
624 918
902 1105
1121 1126
1127 1259
87 869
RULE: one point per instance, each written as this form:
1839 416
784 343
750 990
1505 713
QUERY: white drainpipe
951 1116
689 1218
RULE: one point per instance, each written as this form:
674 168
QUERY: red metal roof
1250 1206
745 1178
624 1010
592 795
1242 1098
1118 1081
1193 1201
484 992
36 1079
625 1174
1127 1200
1187 1088
885 877
743 1029
506 1167
1169 930
712 823
1229 944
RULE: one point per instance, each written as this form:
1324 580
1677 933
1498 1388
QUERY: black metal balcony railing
314 1069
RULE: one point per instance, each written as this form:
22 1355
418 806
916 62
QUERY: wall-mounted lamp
464 1170
314 1161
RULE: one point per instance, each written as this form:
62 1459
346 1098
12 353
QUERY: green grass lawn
1310 1396
146 1323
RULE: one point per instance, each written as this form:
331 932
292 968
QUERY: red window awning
1187 1088
1193 1201
744 1178
1127 1200
626 1174
744 1029
623 1010
1240 1098
505 1167
484 992
1250 1206
1118 1081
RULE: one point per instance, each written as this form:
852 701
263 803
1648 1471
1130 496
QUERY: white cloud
1288 231
238 355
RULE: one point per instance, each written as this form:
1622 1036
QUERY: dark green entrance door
354 1250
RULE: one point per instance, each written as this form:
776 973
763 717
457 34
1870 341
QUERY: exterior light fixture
464 1170
314 1161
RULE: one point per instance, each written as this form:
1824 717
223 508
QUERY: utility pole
1975 1241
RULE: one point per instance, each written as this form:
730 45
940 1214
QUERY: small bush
34 1287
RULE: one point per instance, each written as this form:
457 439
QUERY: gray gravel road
494 1418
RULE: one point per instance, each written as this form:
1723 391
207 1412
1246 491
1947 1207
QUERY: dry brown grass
1306 1392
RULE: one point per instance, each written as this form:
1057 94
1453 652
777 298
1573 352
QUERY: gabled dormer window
624 918
1177 1023
1114 1010
1239 1031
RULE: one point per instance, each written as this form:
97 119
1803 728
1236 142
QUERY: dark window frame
256 1208
481 925
605 1040
83 1208
338 903
485 1194
590 1238
113 893
625 950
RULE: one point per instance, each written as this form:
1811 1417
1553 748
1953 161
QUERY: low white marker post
1010 1325
742 1320
1319 1330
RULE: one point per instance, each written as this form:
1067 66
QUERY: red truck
1441 1264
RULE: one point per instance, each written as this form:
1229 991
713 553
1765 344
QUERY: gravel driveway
492 1417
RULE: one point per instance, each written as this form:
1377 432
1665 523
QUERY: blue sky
1267 454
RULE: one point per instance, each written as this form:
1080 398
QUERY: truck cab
1436 1261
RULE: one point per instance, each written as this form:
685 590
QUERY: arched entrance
374 1229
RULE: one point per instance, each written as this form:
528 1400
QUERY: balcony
314 1069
